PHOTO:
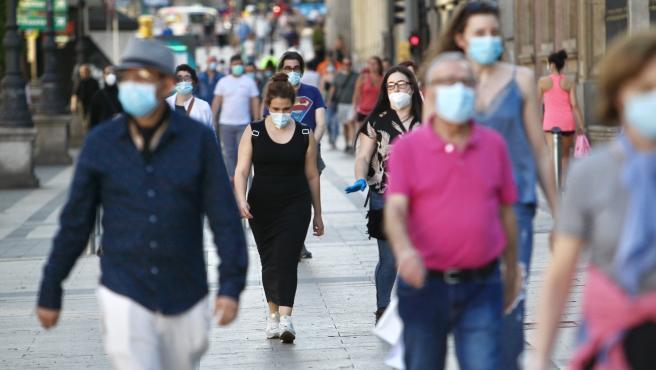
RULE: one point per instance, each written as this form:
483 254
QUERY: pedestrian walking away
85 88
451 224
309 108
236 102
105 104
155 173
506 102
342 93
614 225
285 188
397 112
561 108
184 102
367 89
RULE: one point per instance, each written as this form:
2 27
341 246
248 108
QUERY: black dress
281 203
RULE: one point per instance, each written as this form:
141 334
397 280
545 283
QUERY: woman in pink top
560 105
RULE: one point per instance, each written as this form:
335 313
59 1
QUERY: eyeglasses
291 69
186 78
451 81
402 86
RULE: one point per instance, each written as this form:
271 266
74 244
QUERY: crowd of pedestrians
451 153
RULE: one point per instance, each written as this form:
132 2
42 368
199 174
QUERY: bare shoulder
544 82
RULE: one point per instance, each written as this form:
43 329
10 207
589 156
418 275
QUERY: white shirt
236 93
200 111
312 78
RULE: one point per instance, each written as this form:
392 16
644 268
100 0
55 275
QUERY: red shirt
454 196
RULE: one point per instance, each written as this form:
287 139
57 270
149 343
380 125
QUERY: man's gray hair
449 56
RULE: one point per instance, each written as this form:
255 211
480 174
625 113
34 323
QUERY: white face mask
281 120
400 100
110 79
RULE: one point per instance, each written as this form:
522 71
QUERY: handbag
582 146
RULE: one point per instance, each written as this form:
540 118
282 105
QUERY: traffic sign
31 14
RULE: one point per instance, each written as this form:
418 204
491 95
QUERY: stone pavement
334 308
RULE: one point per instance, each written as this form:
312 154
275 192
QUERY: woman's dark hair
191 71
447 41
291 55
279 87
380 64
383 103
558 58
409 64
624 61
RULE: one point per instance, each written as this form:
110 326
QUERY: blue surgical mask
639 114
184 88
455 104
268 73
237 70
485 50
138 98
212 66
294 78
251 75
281 120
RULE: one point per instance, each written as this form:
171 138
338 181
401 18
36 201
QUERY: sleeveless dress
557 108
281 203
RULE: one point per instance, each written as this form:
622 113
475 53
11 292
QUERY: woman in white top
184 102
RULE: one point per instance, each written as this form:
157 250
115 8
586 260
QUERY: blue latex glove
359 185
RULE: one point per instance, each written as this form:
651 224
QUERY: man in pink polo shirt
450 221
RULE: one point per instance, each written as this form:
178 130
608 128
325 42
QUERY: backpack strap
306 135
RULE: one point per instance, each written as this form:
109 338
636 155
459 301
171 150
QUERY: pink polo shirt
454 196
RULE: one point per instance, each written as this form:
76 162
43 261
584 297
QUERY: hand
359 185
513 282
317 225
245 210
48 317
411 269
225 310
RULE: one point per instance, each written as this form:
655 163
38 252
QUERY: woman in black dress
285 189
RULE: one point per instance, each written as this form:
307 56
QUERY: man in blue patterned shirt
156 173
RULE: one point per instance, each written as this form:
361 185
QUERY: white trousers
139 339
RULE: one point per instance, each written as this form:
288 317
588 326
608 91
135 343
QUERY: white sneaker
287 332
273 326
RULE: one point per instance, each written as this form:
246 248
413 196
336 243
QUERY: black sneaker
379 313
305 253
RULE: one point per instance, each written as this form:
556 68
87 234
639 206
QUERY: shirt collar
436 142
169 128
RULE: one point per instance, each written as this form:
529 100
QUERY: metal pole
80 47
13 101
51 101
557 154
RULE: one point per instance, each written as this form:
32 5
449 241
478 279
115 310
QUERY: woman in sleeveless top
367 89
560 106
397 111
506 102
285 188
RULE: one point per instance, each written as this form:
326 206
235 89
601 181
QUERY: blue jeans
385 273
513 323
333 125
471 311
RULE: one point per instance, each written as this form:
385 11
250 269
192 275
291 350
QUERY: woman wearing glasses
396 112
183 100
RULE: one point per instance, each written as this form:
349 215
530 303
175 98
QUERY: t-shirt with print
236 93
308 100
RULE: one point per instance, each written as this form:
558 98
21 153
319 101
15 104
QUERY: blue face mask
455 104
485 50
137 98
294 78
251 75
237 70
281 120
639 114
184 88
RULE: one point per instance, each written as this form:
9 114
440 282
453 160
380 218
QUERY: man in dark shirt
155 173
85 88
105 104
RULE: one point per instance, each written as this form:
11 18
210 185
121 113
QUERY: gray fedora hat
148 53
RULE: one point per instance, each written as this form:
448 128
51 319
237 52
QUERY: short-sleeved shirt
454 195
308 100
345 87
384 128
236 93
594 208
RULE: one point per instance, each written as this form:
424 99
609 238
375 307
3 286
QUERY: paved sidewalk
333 313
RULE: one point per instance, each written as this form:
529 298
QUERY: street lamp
13 102
50 101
